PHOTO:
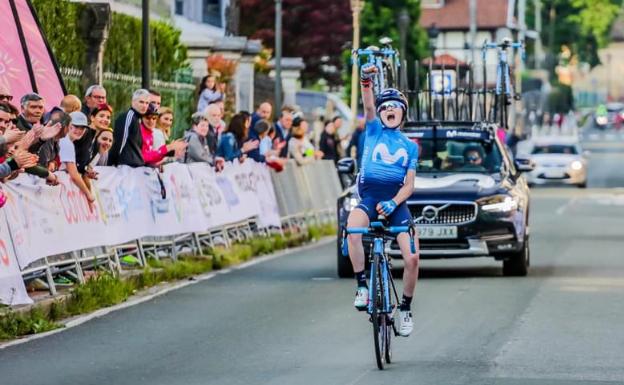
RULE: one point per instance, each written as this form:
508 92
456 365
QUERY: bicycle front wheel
378 317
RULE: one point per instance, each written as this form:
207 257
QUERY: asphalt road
290 320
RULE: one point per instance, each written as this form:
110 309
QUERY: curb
162 289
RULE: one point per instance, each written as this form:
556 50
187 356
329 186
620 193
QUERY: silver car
558 160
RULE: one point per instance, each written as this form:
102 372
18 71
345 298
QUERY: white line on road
567 205
140 299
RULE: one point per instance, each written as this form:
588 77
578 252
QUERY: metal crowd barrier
304 194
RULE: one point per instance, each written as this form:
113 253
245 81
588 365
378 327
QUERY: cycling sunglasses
473 158
389 104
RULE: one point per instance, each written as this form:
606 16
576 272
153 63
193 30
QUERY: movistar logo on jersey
382 153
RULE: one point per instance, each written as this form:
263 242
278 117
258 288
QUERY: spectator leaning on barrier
283 127
33 107
67 155
95 95
208 93
197 139
20 159
101 146
234 143
267 154
163 126
263 111
127 140
153 157
49 151
215 126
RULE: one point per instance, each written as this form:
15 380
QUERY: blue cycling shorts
400 216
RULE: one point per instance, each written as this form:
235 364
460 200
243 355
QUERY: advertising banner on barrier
46 220
12 289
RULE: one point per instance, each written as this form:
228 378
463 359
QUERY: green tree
581 25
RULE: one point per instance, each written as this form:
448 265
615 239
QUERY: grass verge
106 289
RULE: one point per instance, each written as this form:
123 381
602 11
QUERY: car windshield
458 155
555 149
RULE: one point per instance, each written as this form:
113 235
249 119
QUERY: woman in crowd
102 144
101 117
299 146
208 92
163 126
196 138
153 157
234 143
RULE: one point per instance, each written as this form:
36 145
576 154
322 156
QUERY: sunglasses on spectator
473 158
6 97
389 104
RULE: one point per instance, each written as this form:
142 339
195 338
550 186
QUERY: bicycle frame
377 58
503 74
386 277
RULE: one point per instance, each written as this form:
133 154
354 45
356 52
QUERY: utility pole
473 29
145 47
356 8
278 55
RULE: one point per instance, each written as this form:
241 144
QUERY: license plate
437 232
553 174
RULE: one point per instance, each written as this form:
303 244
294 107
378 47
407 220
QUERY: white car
558 160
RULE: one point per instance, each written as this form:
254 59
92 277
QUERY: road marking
73 322
567 205
322 279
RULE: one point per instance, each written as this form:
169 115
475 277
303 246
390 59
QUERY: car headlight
498 204
576 165
349 204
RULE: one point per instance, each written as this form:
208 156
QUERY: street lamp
404 20
356 8
433 33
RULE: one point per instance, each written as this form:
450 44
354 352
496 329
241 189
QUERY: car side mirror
346 166
524 164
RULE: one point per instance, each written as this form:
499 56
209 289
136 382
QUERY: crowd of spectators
78 135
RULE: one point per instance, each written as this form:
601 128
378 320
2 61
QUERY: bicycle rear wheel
379 319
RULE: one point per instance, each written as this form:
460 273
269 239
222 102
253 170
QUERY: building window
212 13
179 7
432 3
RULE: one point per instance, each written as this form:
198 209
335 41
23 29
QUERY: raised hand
50 131
13 134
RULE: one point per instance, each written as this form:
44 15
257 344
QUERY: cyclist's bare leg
357 218
410 272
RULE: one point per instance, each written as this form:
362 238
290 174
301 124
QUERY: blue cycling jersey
388 156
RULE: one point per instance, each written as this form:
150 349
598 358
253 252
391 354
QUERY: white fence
46 230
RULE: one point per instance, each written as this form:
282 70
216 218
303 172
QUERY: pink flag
26 63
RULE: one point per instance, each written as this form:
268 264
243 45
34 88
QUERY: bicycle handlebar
381 52
378 226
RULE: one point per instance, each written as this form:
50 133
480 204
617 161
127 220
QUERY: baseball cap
79 119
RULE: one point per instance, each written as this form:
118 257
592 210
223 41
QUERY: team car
470 197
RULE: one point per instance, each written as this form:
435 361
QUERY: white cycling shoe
361 298
407 324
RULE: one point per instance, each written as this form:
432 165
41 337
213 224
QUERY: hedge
60 23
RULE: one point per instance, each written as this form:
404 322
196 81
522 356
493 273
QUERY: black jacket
127 141
329 146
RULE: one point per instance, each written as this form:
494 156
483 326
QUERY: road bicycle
386 59
504 91
383 298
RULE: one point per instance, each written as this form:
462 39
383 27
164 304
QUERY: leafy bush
122 51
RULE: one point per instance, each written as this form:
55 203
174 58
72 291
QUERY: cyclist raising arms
385 182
